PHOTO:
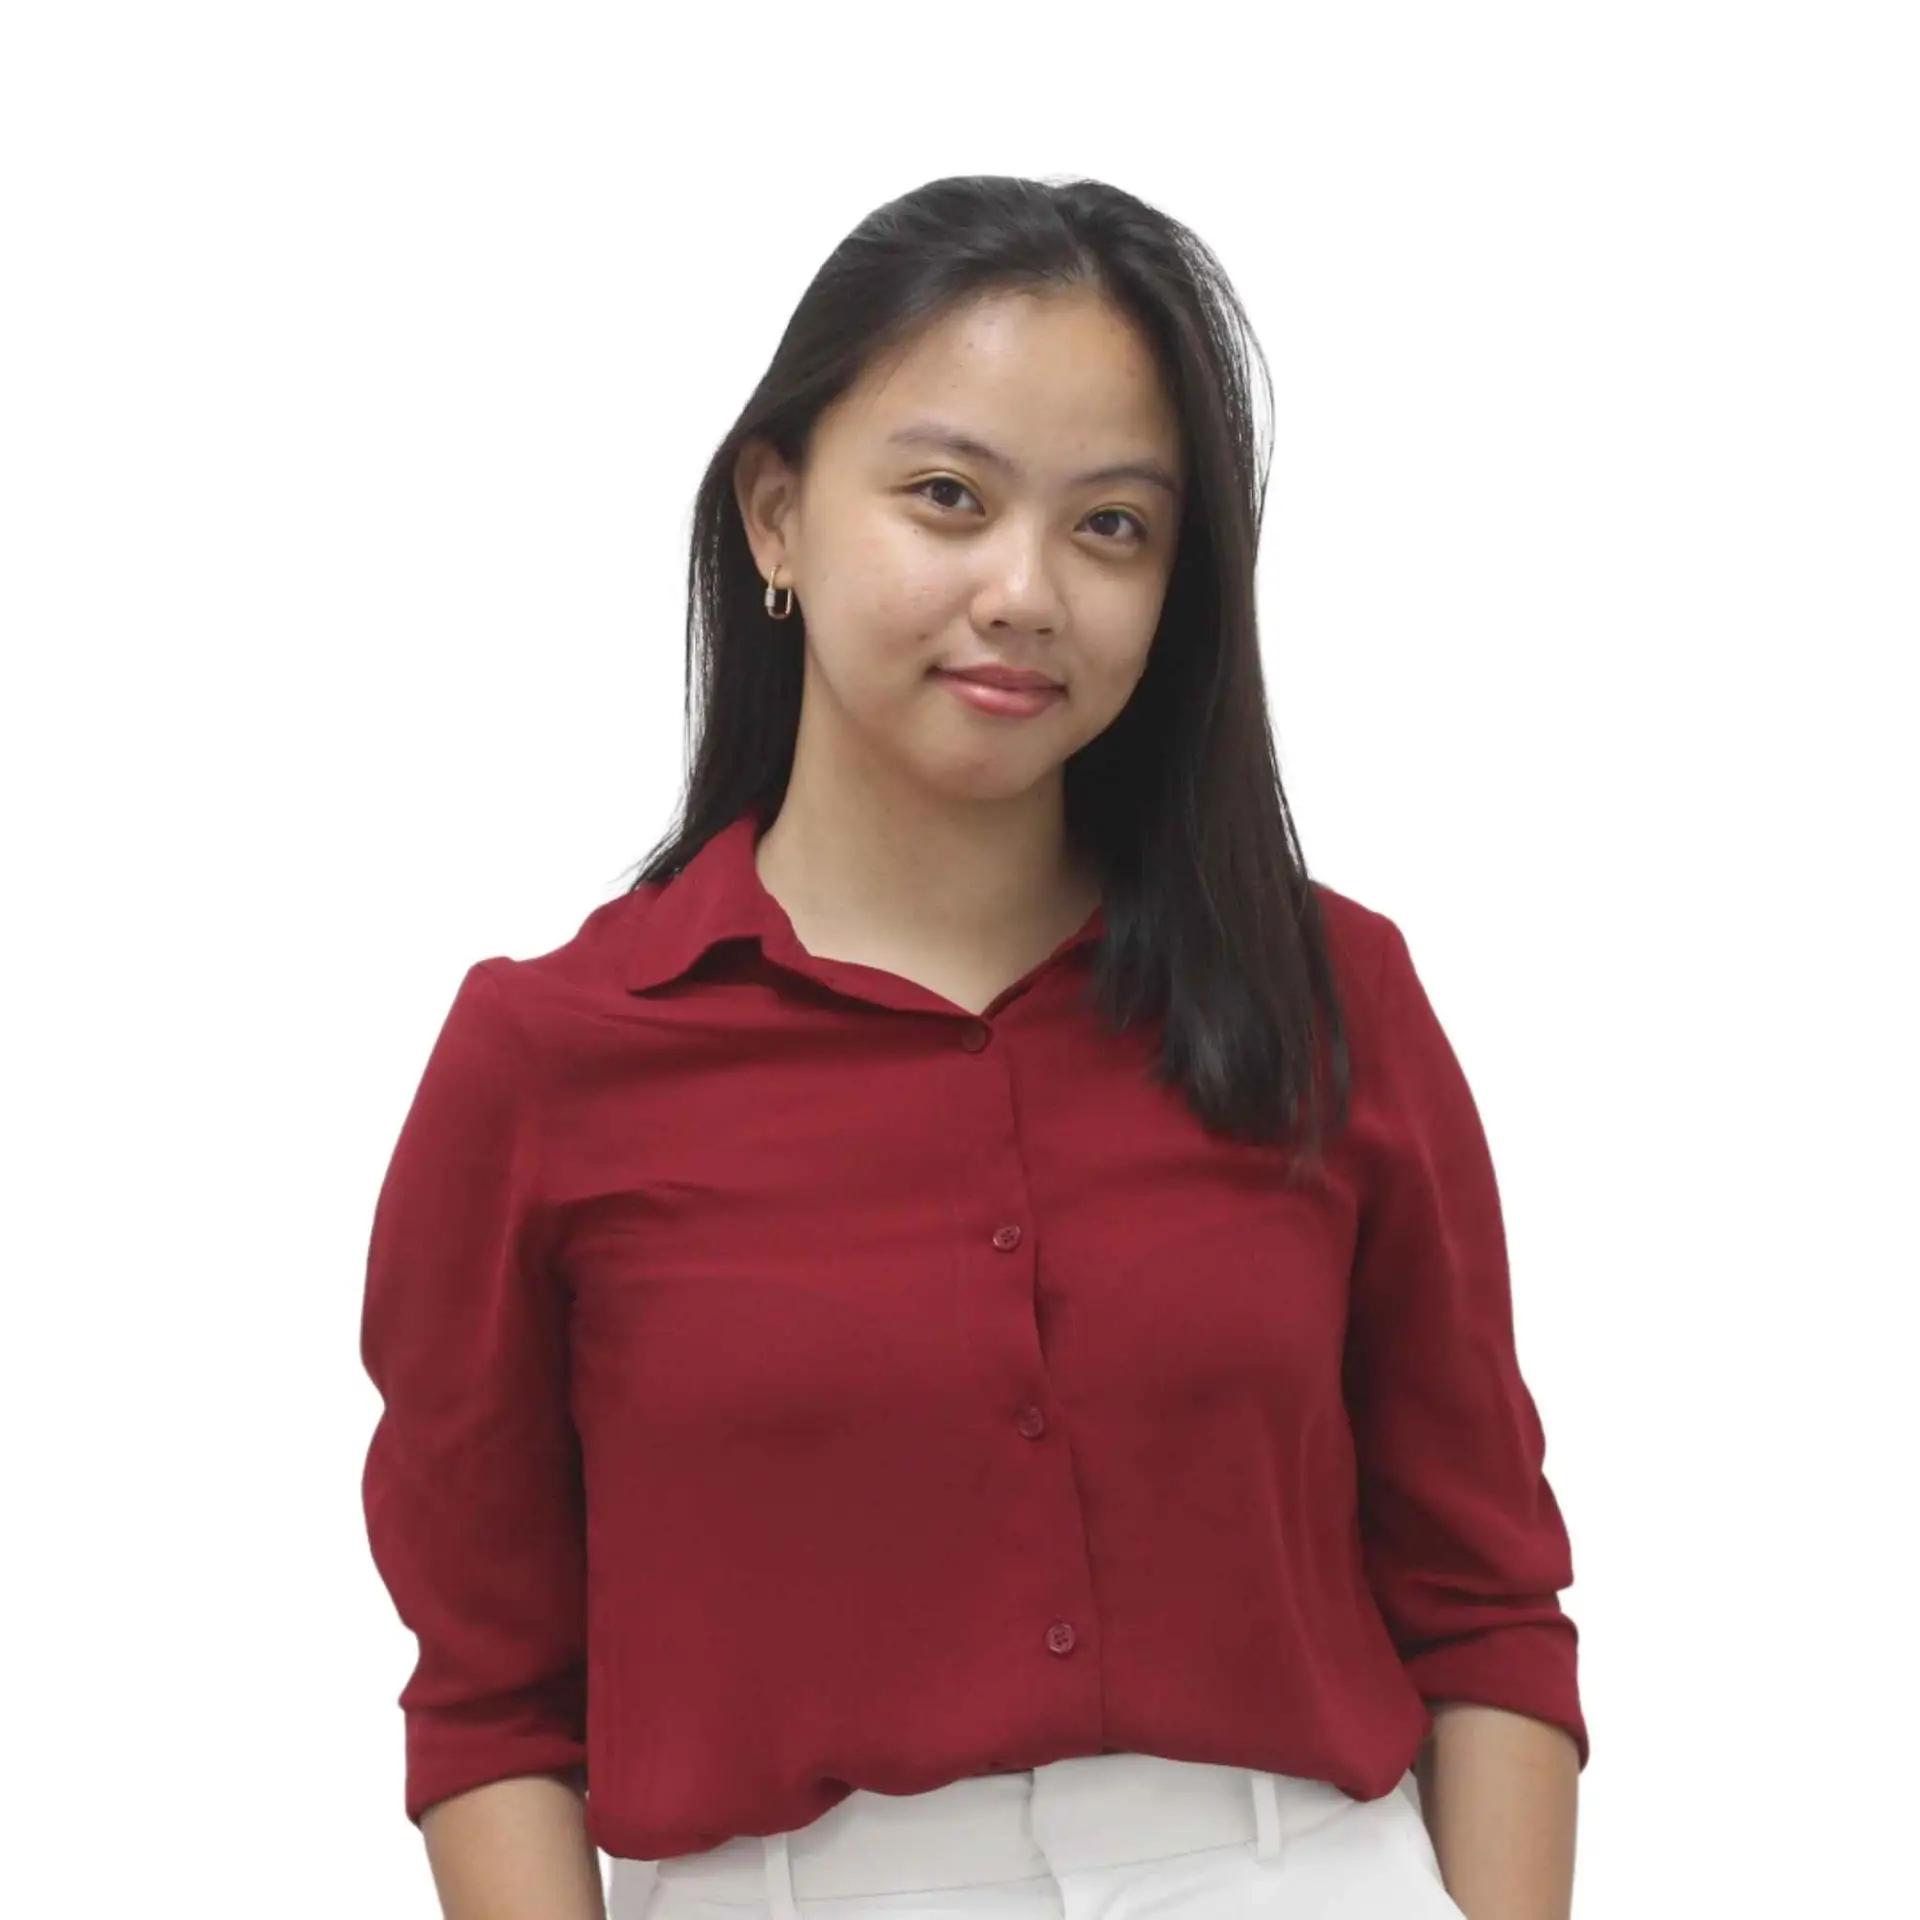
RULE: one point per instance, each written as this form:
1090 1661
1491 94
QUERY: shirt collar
719 895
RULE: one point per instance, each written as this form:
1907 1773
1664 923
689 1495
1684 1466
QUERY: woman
950 1349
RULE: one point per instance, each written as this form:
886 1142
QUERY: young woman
950 1351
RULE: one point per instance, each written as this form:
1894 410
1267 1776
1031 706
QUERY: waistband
1071 1815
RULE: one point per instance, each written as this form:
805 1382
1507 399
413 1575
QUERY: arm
1499 1792
514 1850
473 1486
1463 1539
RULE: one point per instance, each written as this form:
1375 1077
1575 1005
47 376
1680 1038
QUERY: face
909 555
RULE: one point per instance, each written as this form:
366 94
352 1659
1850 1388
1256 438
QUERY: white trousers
1111 1836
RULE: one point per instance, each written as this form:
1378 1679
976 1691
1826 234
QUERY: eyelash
947 480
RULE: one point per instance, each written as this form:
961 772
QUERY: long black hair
1211 921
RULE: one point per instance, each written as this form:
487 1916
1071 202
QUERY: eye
1132 519
940 480
947 480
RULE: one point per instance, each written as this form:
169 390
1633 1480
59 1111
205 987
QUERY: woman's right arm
514 1850
474 1485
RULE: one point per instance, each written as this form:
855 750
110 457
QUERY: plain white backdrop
358 364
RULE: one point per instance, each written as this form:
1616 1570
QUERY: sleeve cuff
449 1750
1530 1668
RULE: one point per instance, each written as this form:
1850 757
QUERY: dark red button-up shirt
792 1382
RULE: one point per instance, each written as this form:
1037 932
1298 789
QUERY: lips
1010 703
1018 679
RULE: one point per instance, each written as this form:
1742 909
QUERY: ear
767 491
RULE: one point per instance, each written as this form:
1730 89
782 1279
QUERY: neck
972 875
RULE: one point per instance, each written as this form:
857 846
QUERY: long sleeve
472 1482
1462 1539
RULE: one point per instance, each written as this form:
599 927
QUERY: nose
1020 590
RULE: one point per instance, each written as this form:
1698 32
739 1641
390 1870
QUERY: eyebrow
933 433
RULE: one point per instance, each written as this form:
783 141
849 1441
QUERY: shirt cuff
1530 1667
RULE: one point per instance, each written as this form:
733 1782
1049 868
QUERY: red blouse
793 1383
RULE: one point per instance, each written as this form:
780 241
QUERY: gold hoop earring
788 591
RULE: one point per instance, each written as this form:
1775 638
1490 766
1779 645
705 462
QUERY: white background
359 362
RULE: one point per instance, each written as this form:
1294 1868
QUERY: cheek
919 585
1112 674
891 585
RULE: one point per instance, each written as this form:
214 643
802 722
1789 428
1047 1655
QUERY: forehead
1051 375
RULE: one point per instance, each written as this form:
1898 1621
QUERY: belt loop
780 1901
1266 1816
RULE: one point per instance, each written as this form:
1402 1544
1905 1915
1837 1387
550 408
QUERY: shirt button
1006 1238
1060 1636
975 1035
1032 1422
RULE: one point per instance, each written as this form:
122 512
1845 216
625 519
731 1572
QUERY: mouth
1002 677
986 696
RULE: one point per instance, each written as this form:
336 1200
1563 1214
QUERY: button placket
1060 1637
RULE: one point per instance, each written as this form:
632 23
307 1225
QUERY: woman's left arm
1500 1792
1465 1547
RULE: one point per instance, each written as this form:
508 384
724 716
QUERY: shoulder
1361 939
580 976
